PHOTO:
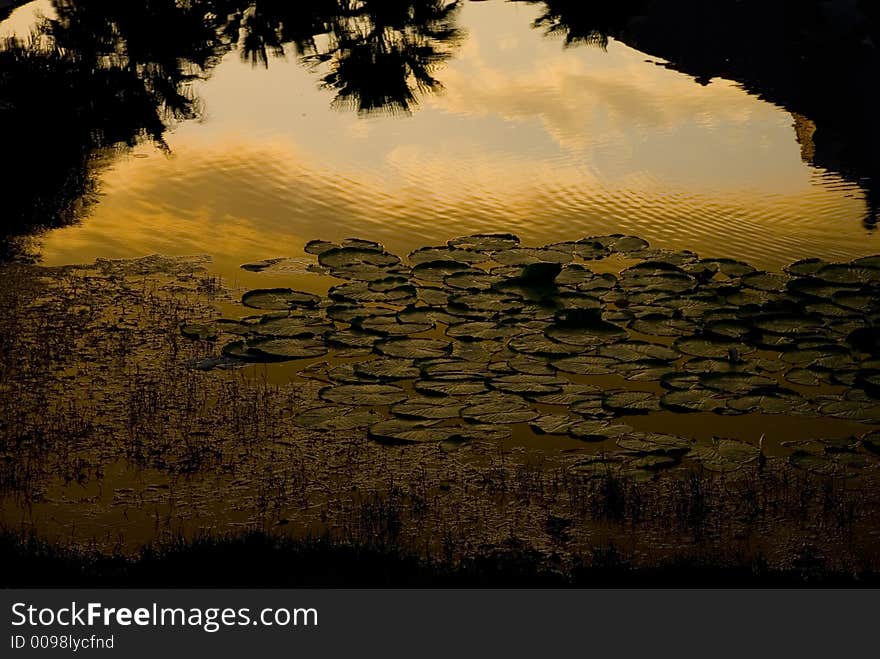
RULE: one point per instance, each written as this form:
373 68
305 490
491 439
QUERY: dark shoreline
260 560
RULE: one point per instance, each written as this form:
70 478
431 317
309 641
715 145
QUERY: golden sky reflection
548 142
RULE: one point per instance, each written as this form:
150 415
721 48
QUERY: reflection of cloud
574 92
242 201
21 21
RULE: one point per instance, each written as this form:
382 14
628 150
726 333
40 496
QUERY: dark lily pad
404 431
654 443
570 394
585 365
524 384
450 387
387 369
363 394
346 257
726 454
288 348
692 400
485 242
631 402
278 299
335 418
554 424
200 331
499 409
319 246
598 431
429 407
454 369
427 254
408 348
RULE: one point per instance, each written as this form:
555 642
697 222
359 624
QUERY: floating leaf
387 369
428 408
334 418
450 387
597 431
200 331
725 454
525 384
363 394
485 242
413 348
554 424
287 348
278 299
631 402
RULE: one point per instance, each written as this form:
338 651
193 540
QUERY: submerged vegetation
523 410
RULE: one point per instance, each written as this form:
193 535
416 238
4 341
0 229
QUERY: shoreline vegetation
441 420
257 560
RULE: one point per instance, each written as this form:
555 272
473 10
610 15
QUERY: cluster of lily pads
471 338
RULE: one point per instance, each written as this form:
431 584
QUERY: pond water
479 121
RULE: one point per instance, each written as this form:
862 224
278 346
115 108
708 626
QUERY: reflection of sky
21 20
550 142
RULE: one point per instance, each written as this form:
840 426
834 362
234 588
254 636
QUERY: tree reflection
588 23
816 59
381 54
103 74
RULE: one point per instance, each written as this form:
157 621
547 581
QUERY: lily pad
200 331
485 242
428 407
499 409
278 299
524 384
408 348
631 402
726 454
335 418
363 394
288 348
598 431
387 369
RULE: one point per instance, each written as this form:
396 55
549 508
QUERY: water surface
516 132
